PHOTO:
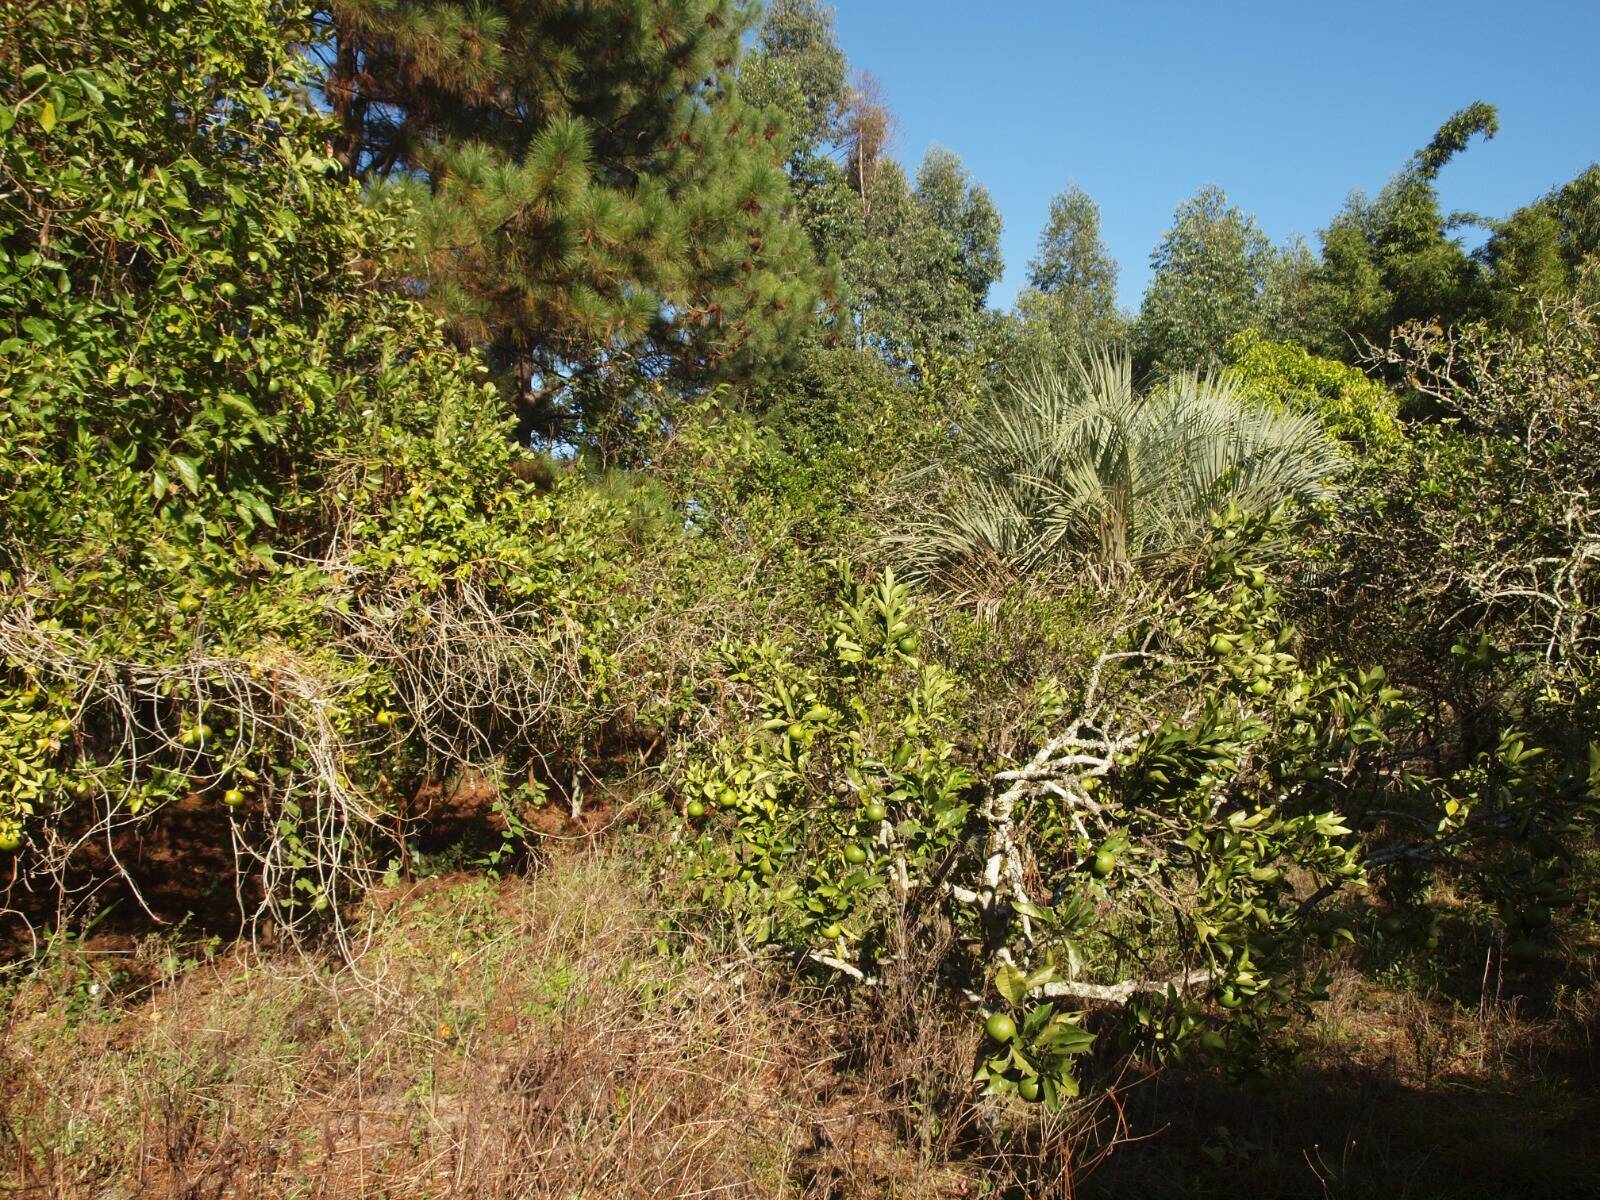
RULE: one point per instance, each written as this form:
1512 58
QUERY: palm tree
1078 467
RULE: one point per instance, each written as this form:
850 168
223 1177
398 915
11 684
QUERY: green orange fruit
875 812
1000 1028
854 855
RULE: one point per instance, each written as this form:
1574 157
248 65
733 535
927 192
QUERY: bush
251 497
1282 375
1156 848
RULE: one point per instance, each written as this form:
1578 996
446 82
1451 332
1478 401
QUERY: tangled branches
1500 510
264 736
1154 852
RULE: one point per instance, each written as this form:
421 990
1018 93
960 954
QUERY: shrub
1283 375
1155 849
249 495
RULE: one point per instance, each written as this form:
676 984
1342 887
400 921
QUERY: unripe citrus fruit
695 809
10 839
1000 1028
233 797
854 855
876 812
833 932
1102 864
1030 1090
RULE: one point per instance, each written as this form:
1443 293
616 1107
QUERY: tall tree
1536 254
597 204
903 275
799 68
1208 279
1393 259
1071 299
962 208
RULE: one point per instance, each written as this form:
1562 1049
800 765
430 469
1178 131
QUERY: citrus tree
1161 851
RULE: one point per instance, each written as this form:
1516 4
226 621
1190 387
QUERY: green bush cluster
1351 406
238 477
1154 846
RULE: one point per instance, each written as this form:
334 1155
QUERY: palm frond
1077 466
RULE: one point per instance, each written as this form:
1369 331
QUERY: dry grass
521 1039
529 1038
1451 1090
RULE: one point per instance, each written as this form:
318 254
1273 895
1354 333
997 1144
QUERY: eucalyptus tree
1208 282
1070 303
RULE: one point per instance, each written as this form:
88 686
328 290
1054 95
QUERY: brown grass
530 1038
1407 1092
507 1040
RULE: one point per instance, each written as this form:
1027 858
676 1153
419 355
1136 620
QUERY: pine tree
597 205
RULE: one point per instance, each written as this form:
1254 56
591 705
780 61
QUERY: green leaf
1011 983
187 472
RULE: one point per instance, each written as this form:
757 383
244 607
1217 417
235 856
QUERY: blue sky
1288 105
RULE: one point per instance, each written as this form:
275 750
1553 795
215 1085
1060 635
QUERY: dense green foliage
237 477
1091 681
1070 305
1208 283
596 202
1285 375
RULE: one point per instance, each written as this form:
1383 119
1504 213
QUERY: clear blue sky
1288 105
